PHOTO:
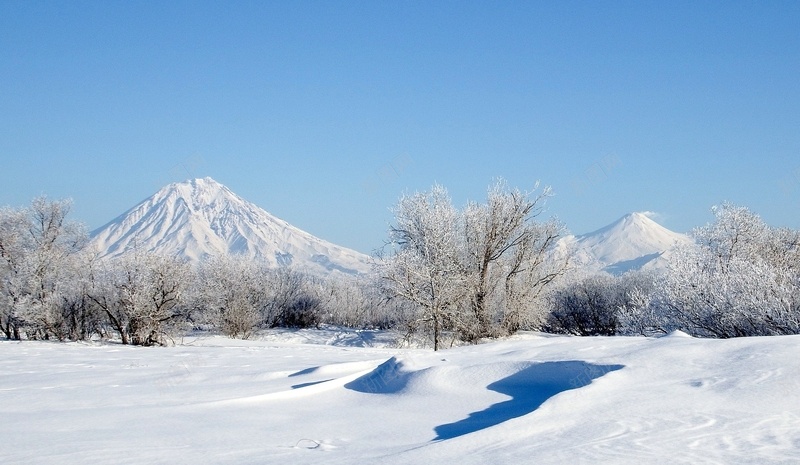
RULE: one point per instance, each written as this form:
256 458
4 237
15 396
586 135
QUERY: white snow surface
633 242
291 397
202 218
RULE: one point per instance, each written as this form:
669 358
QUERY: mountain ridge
200 218
634 241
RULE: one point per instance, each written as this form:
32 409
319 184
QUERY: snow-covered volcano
633 242
202 218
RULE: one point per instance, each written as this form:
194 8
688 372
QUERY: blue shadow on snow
529 389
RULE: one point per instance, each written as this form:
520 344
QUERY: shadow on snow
529 389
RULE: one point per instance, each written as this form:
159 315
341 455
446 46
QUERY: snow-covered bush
742 279
588 307
232 293
600 304
356 302
296 299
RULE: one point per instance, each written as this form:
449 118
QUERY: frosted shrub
742 279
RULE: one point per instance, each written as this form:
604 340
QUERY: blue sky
324 113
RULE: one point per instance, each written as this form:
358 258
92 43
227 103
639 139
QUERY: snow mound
528 388
201 218
528 384
389 377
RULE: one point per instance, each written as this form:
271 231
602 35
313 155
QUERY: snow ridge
201 218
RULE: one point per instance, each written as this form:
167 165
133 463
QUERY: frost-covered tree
79 317
637 316
741 279
508 258
38 249
141 295
736 234
476 271
234 294
14 248
356 302
425 265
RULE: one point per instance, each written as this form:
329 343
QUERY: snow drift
532 399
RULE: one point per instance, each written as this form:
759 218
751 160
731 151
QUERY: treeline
53 287
448 275
741 277
491 269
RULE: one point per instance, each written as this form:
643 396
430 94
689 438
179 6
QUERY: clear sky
324 113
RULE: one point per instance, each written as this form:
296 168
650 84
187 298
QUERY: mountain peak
204 183
196 183
201 193
636 221
201 218
631 242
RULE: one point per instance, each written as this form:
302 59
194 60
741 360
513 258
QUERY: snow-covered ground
344 397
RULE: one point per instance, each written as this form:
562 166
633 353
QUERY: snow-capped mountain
202 218
633 242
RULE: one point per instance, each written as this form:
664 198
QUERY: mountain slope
633 242
202 218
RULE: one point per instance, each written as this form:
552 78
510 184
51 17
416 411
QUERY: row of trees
53 287
448 274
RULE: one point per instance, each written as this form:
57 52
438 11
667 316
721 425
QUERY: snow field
530 399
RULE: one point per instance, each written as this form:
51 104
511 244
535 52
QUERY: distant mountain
633 242
202 218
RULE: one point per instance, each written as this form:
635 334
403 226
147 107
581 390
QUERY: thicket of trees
740 278
447 274
52 287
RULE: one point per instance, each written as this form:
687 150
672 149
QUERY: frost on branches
741 279
474 272
40 272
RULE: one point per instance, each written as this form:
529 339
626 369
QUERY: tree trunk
436 333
